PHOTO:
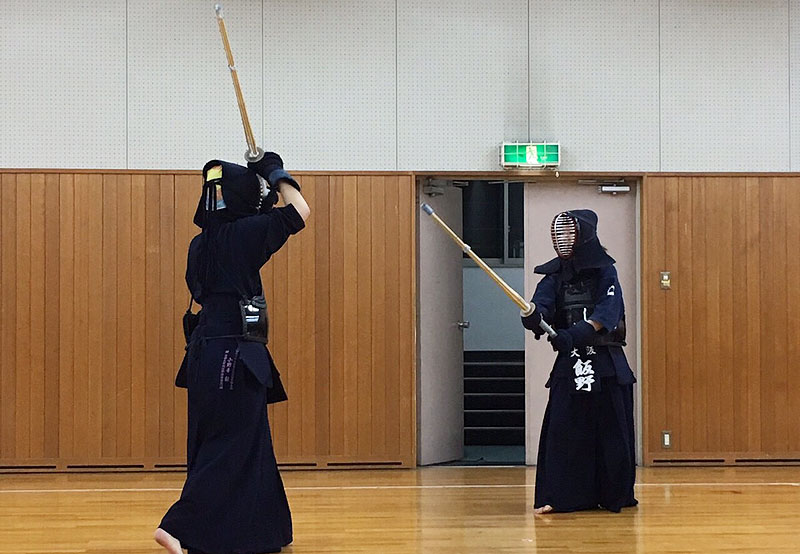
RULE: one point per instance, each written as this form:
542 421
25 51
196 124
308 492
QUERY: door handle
463 324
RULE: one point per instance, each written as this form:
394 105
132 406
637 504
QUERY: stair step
494 385
500 369
494 355
494 398
494 418
494 436
494 401
508 363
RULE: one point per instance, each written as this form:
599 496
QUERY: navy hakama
233 501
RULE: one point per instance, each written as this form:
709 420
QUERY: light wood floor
448 510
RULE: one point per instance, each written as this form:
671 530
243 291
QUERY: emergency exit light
530 154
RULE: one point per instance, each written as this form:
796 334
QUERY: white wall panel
329 70
62 84
493 318
724 85
794 58
182 109
462 82
594 82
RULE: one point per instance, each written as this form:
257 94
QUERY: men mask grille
564 232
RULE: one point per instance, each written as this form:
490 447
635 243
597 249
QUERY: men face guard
565 233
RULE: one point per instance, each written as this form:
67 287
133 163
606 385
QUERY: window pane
516 209
483 218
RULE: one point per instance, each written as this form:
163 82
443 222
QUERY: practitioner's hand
270 167
562 342
580 334
531 323
269 162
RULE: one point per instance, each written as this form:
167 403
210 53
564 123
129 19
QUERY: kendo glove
579 335
270 167
531 322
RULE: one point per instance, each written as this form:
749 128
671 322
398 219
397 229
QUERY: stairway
494 398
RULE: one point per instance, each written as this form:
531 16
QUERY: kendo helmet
571 229
233 191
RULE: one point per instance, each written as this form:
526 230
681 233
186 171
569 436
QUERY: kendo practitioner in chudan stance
586 451
233 500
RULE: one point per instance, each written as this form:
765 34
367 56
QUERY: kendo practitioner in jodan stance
586 452
233 500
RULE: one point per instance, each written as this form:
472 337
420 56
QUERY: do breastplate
575 302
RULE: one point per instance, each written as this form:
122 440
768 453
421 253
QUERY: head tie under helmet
565 232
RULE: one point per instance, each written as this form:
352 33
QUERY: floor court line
401 487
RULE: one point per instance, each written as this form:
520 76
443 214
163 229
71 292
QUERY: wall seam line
660 114
529 69
127 93
396 88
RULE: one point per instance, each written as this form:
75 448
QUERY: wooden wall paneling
379 314
753 305
110 317
108 248
307 361
351 264
700 308
714 243
672 312
37 317
769 303
727 188
23 317
4 343
684 290
165 298
51 315
793 312
780 360
80 374
407 254
124 325
364 302
322 308
8 259
336 320
391 320
66 303
152 312
738 330
92 340
736 319
140 406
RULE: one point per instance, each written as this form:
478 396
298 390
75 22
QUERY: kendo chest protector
575 303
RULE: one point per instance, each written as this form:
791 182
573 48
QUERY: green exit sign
530 154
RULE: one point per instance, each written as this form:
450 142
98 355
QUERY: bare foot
546 509
170 543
